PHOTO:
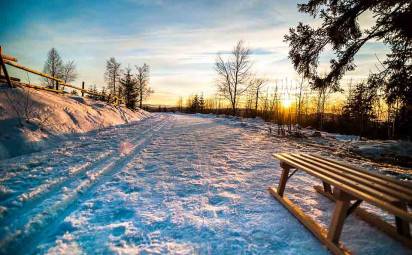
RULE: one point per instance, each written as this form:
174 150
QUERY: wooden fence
12 61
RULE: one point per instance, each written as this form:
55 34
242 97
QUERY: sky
179 39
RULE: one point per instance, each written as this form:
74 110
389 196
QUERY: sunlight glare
286 102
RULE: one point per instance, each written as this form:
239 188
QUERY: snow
51 118
392 157
391 150
171 183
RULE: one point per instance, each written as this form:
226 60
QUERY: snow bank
32 120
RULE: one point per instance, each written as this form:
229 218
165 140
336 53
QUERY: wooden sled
348 186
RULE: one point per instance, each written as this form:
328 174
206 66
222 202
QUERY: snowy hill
31 120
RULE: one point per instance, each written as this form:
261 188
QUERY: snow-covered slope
31 120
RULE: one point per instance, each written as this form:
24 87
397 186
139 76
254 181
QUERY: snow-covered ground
171 183
393 157
45 118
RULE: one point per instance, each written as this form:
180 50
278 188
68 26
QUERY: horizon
179 40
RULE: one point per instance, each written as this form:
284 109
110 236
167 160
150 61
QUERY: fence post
3 67
83 89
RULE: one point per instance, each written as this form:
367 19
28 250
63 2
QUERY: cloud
178 40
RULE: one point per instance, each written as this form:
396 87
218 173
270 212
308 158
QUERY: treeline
295 106
123 85
380 106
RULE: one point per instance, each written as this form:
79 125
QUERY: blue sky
178 39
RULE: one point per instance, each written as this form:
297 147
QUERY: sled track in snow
25 232
63 168
46 190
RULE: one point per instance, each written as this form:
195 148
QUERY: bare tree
299 97
180 104
112 75
257 85
234 74
69 72
143 89
53 67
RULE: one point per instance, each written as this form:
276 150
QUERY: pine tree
359 107
90 90
340 30
201 103
195 104
95 93
103 94
129 84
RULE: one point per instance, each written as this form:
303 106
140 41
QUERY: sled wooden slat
378 178
343 180
349 184
375 185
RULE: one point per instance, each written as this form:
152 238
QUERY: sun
286 102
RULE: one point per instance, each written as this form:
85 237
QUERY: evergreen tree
340 30
195 104
359 107
90 90
201 103
103 94
129 84
93 92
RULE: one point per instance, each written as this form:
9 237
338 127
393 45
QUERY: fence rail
11 61
7 57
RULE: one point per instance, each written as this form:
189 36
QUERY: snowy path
176 184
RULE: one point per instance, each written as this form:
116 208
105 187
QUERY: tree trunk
257 101
141 98
114 86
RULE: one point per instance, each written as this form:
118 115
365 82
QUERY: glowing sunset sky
178 39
